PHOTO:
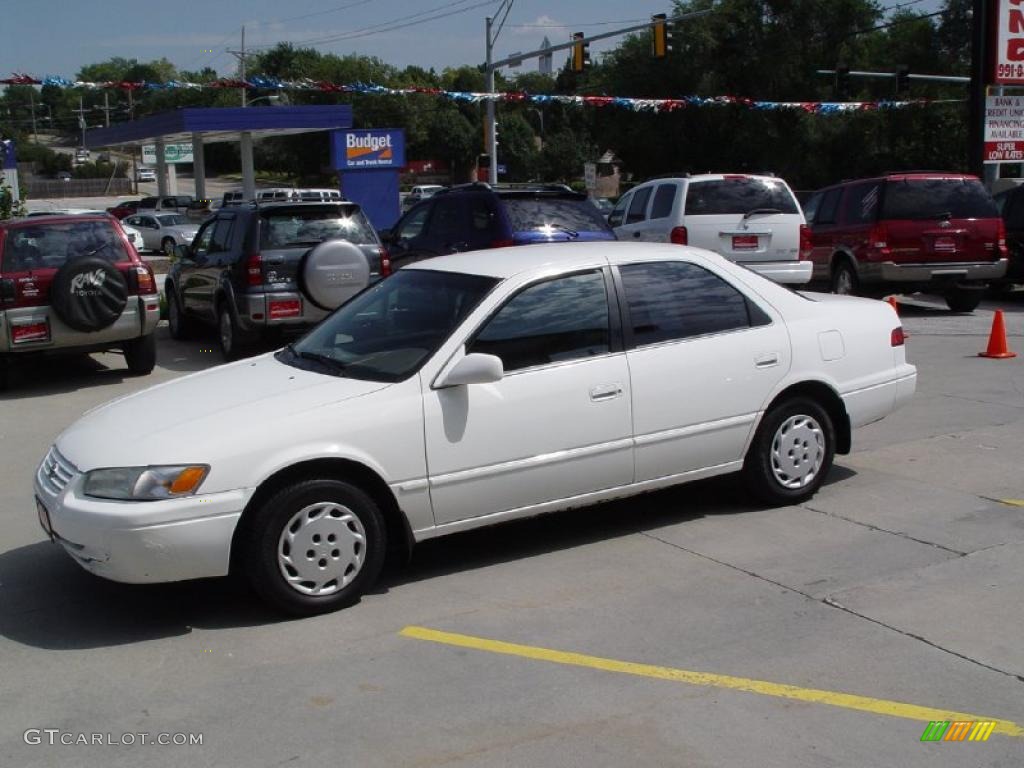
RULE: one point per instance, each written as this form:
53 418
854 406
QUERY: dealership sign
1009 40
368 149
1004 129
173 153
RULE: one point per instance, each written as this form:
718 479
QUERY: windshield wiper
325 360
96 250
570 232
755 211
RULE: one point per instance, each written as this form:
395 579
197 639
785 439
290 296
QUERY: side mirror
474 368
387 235
182 252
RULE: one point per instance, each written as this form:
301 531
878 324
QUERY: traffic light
661 36
842 81
580 52
902 78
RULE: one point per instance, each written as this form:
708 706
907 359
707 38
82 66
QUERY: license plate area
744 242
944 245
44 519
280 309
30 333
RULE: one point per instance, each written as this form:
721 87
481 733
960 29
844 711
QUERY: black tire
140 354
844 279
265 557
167 247
179 324
5 373
963 299
763 472
233 344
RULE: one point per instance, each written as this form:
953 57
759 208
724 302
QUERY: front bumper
138 542
785 272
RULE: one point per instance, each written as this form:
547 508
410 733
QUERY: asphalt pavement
687 627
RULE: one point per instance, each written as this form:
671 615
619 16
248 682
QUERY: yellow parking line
778 690
1013 502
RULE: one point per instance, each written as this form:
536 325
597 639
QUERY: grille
55 472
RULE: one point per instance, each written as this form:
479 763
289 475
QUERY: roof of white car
506 262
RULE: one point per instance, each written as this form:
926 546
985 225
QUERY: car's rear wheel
844 279
140 354
167 246
963 299
314 546
233 344
791 453
179 324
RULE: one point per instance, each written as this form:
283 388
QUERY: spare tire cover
333 272
88 293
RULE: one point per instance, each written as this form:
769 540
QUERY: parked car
134 236
163 231
124 208
752 220
74 284
1010 203
905 232
464 391
478 216
145 174
165 204
604 205
279 268
199 209
419 193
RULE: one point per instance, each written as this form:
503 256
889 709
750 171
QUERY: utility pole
106 108
492 139
81 118
976 110
32 106
240 55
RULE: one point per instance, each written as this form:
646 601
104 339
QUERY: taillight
678 236
806 243
385 262
1001 239
501 243
897 338
878 239
145 279
254 270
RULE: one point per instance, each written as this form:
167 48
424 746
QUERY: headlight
145 483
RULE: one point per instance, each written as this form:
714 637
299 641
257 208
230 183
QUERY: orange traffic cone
997 339
894 304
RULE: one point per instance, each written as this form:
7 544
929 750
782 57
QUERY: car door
217 257
632 228
193 275
822 217
703 357
558 423
660 216
408 240
617 216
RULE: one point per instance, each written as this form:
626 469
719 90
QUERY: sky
58 37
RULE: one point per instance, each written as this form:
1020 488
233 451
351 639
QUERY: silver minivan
752 220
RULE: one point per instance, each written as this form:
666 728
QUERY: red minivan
906 232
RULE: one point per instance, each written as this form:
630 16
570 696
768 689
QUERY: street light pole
492 139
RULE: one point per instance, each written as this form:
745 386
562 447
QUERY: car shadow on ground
49 602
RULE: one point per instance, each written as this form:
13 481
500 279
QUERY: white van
752 220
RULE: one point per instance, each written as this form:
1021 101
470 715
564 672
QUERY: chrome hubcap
225 331
321 549
798 450
844 283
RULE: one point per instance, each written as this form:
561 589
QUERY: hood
157 425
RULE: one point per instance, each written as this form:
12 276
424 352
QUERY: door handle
605 392
637 234
766 361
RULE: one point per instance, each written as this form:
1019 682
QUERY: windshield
934 198
738 195
531 214
389 330
299 226
172 220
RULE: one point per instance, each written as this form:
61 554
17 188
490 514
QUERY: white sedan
468 390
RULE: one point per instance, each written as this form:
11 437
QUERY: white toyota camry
468 390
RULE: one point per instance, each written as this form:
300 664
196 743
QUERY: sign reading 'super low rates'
1004 129
1009 42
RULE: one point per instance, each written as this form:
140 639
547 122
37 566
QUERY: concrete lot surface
683 628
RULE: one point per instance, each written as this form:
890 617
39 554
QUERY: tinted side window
664 199
221 240
676 300
446 222
615 218
829 205
412 225
204 238
638 208
861 203
811 207
534 328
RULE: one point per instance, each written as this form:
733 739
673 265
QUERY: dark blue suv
477 216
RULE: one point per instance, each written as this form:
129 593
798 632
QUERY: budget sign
367 149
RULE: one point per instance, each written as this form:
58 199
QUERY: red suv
906 232
74 284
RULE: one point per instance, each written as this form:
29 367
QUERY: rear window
285 227
937 198
739 195
50 245
529 214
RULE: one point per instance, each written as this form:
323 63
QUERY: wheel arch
400 537
840 255
829 399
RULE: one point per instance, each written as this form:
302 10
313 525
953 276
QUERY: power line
589 24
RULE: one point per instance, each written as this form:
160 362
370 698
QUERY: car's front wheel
140 354
167 246
791 453
314 546
180 325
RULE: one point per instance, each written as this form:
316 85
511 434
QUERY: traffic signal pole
976 111
492 135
